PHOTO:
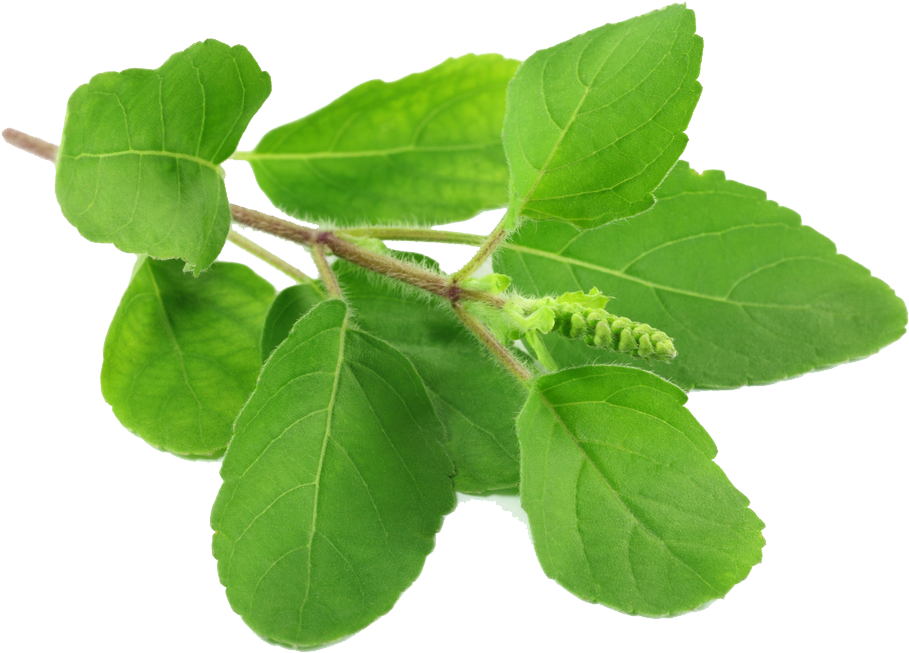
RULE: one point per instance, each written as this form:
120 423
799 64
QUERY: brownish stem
31 144
329 280
291 231
414 275
320 241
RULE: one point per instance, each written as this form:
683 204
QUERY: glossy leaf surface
426 149
290 305
182 353
335 485
626 506
749 295
594 124
139 158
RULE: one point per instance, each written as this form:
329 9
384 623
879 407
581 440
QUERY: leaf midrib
618 497
528 197
174 155
655 286
179 352
357 154
321 464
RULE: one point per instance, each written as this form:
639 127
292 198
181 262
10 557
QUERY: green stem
535 340
263 254
415 234
492 242
482 332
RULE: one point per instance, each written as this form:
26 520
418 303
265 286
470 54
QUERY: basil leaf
290 305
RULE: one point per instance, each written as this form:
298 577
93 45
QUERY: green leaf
139 159
594 124
475 398
182 353
335 485
626 507
290 305
425 149
748 294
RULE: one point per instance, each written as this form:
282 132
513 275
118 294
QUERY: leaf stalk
415 234
276 262
487 247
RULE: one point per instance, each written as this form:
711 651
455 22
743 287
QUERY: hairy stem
329 280
276 262
489 245
320 242
415 234
480 330
414 275
265 223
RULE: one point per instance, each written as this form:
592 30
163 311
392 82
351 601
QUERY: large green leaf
425 149
182 353
749 295
290 305
595 123
335 485
139 159
626 507
474 396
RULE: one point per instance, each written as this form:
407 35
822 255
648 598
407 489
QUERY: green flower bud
627 343
581 316
665 350
603 336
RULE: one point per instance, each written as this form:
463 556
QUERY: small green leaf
626 507
182 353
335 485
425 149
290 305
593 299
473 396
491 283
749 295
594 124
139 159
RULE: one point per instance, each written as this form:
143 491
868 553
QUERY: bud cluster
604 330
576 315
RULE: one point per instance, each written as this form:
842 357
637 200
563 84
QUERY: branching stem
414 275
337 242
